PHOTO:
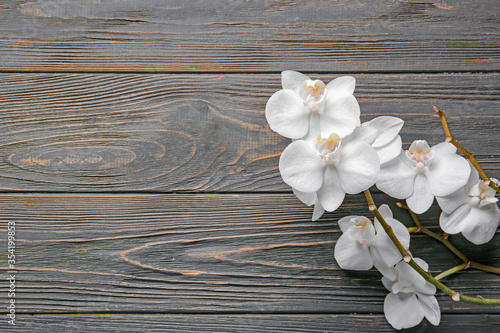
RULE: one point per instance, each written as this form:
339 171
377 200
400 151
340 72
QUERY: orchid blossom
303 104
472 210
363 245
323 170
421 172
411 297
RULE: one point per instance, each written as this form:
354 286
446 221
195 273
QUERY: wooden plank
242 36
109 132
241 323
252 253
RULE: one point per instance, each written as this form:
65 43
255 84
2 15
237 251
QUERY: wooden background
142 177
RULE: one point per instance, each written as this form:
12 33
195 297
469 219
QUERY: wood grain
123 132
249 36
248 253
241 323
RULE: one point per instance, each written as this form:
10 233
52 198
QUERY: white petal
453 223
292 80
351 254
347 222
287 115
431 308
444 148
480 225
422 198
385 211
389 273
387 282
384 252
389 151
340 115
388 128
361 133
361 229
318 211
301 167
396 178
308 198
398 228
342 85
358 167
403 310
447 173
331 195
450 202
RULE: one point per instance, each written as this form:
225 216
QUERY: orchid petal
384 251
306 197
452 201
351 254
361 133
480 224
318 211
389 151
432 312
358 167
348 221
447 173
301 167
453 223
340 114
388 282
331 195
403 310
396 178
422 198
292 80
388 128
444 148
342 85
389 272
287 115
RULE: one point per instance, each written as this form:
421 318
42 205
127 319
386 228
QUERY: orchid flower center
481 194
327 147
420 153
312 92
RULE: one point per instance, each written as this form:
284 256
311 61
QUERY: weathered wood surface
101 97
109 132
243 323
249 36
248 253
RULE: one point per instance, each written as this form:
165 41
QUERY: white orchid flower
325 169
388 141
411 298
472 211
421 173
363 245
303 103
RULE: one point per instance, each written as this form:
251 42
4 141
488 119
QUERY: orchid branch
444 239
408 259
467 154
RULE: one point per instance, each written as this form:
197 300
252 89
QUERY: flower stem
444 239
452 270
408 259
467 154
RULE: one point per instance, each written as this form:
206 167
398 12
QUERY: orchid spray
333 154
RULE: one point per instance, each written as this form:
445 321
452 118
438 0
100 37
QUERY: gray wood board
128 132
243 36
206 253
242 323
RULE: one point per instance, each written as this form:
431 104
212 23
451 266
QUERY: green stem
408 259
444 239
452 270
